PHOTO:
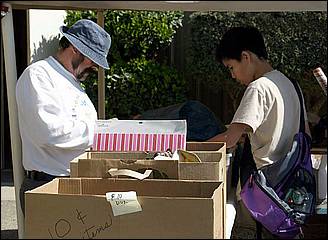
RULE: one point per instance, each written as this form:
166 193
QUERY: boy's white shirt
270 106
56 117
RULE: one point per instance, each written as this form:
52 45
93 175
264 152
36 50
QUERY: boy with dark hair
269 112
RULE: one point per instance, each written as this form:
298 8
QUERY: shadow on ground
7 178
9 234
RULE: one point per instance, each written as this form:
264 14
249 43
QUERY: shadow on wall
45 48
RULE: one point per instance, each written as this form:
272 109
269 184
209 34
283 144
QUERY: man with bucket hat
56 117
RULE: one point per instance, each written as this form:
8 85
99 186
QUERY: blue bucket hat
90 39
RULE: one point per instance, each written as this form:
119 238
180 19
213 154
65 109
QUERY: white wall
44 32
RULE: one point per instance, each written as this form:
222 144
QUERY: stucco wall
44 32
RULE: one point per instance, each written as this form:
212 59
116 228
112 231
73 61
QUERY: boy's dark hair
64 43
239 39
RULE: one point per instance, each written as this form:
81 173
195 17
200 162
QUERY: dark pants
29 183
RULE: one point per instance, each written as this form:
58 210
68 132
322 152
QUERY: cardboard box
80 167
212 155
77 208
167 169
214 151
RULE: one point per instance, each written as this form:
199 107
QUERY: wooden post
101 75
11 79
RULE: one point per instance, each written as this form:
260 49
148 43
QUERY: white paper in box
139 135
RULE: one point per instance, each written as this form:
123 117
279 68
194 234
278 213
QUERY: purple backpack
281 196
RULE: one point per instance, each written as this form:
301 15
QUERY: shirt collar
59 67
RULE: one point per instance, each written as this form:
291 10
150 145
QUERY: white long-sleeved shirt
56 117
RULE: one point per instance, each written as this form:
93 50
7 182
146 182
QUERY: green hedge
297 43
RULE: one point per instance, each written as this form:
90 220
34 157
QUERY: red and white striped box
139 135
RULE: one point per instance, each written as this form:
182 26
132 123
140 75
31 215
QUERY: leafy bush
296 42
143 85
136 81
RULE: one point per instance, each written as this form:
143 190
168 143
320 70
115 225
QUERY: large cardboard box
212 155
77 208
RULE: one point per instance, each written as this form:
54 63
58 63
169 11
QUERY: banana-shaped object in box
185 156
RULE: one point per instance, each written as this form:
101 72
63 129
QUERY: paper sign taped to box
140 135
123 202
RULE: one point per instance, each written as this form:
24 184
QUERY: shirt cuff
91 131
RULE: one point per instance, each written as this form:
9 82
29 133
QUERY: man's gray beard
75 64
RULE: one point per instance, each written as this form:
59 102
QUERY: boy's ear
246 55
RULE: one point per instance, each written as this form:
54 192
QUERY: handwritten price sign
64 227
123 202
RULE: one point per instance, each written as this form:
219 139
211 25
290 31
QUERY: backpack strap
246 163
300 97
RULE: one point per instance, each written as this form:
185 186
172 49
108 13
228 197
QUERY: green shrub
142 85
136 81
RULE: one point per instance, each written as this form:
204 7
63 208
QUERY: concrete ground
8 206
